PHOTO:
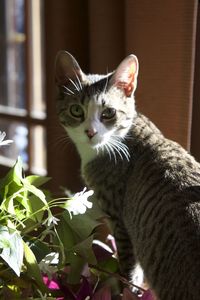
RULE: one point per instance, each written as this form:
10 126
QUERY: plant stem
117 276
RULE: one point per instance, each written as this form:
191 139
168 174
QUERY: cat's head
96 110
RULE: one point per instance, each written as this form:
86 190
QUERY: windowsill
9 162
13 111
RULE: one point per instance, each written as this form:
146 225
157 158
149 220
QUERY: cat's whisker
124 149
116 148
67 89
62 140
121 140
125 152
78 81
129 137
121 148
113 152
97 148
109 150
105 148
74 84
106 84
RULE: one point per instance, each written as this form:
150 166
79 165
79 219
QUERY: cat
147 184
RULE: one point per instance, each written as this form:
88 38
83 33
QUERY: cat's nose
90 133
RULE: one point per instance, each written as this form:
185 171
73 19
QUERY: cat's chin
95 147
95 144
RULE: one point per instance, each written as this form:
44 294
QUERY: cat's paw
137 278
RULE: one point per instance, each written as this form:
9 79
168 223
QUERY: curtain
195 140
100 34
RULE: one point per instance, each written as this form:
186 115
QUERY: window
22 105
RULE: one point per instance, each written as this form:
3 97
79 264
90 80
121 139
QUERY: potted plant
50 247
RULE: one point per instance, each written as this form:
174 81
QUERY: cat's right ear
125 76
67 69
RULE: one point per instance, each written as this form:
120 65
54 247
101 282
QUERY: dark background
165 37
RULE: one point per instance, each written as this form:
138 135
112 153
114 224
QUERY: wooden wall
100 34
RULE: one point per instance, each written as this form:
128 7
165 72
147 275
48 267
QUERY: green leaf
8 203
32 267
82 225
39 248
14 175
95 212
18 171
37 209
24 201
12 253
37 181
66 234
76 266
84 250
35 191
111 265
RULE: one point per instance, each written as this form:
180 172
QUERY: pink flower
50 283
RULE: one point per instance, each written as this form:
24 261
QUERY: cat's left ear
125 76
67 69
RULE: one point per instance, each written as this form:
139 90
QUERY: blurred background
165 35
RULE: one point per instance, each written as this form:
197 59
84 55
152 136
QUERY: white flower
79 202
2 142
51 220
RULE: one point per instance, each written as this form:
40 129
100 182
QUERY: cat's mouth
96 142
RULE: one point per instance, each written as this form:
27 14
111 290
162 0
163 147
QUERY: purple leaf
75 292
128 295
148 295
102 294
101 251
111 241
85 290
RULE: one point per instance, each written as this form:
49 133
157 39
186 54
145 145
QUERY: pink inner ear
125 76
128 84
129 87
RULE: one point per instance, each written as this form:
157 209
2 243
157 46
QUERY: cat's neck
144 131
86 155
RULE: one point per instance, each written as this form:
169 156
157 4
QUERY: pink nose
90 133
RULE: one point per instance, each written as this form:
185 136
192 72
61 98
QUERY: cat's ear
67 69
125 76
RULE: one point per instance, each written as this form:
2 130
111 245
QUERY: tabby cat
147 184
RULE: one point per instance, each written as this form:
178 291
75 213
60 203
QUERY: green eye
108 113
76 111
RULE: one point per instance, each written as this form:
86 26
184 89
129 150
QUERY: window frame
25 115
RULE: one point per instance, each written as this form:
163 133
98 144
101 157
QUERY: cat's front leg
124 250
129 268
137 277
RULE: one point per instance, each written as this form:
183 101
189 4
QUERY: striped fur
155 201
150 187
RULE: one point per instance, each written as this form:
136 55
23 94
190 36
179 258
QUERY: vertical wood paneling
106 34
162 35
195 137
65 28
